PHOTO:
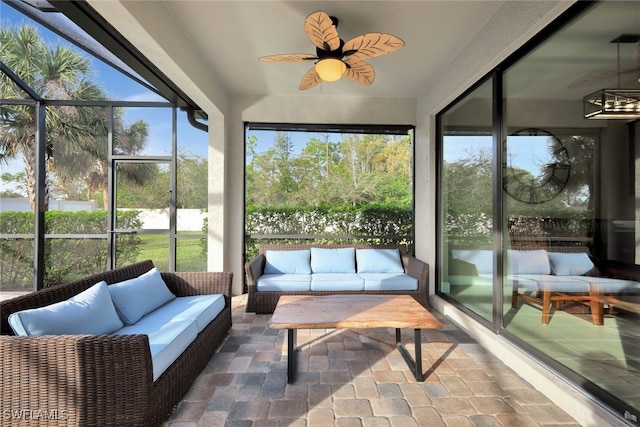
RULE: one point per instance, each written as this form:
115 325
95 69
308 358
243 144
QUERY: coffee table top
351 311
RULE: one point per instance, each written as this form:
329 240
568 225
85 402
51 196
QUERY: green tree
192 175
76 137
356 178
393 163
468 183
53 73
19 182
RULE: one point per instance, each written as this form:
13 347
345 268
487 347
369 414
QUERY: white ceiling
231 35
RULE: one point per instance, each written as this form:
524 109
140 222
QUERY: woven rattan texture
104 380
265 302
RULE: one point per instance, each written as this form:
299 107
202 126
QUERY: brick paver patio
358 378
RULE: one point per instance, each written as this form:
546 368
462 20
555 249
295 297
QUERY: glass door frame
171 160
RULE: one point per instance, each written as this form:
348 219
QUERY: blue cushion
287 262
166 342
481 258
284 282
528 261
570 264
89 312
379 261
136 297
336 282
569 285
199 308
608 285
389 282
337 260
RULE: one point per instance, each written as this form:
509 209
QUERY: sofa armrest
254 269
85 379
192 283
417 269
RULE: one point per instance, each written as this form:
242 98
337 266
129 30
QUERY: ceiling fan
335 58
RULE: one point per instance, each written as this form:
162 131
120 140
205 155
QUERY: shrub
65 258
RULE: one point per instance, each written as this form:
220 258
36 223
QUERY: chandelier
619 103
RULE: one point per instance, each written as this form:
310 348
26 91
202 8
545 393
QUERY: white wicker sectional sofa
545 277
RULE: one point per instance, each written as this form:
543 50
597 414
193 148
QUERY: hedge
65 259
377 224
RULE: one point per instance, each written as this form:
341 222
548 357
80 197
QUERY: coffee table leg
414 365
291 355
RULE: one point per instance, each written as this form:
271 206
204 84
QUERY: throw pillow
333 260
482 259
570 264
379 261
89 312
141 295
528 261
287 262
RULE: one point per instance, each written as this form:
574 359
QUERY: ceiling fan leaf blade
371 45
321 31
310 79
360 71
288 57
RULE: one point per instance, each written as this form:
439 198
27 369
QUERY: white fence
187 219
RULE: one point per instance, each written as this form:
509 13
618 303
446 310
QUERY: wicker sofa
264 301
101 380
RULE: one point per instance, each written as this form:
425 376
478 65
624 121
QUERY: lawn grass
189 256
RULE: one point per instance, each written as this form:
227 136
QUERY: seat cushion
136 297
566 284
199 308
284 282
89 312
389 282
609 285
287 262
336 282
521 283
333 260
166 341
379 261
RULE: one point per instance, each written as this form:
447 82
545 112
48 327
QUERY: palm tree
76 136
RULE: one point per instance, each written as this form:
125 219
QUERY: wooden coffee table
353 311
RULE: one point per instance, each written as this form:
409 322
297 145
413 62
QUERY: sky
526 152
120 87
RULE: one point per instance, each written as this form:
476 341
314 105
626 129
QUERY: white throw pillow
570 264
136 297
481 258
287 262
379 261
528 261
89 312
333 260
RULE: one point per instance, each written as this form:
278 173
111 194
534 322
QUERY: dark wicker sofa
265 301
101 380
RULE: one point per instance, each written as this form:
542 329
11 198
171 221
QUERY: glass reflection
467 200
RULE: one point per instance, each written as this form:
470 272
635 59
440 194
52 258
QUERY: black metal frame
414 363
495 324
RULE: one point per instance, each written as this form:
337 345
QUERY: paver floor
351 377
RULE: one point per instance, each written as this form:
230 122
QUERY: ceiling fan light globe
330 69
